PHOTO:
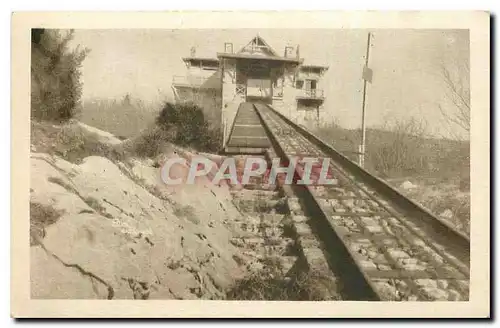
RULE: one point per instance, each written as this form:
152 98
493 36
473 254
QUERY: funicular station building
226 86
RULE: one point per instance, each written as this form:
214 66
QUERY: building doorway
259 88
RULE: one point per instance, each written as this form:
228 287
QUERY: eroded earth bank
104 226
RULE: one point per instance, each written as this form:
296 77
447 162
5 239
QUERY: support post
224 127
362 146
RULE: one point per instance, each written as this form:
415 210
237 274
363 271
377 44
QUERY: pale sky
405 63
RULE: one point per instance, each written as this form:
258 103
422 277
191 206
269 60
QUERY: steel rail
454 239
352 174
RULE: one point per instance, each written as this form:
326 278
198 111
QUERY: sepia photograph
315 165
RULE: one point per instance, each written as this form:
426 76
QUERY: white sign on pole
367 74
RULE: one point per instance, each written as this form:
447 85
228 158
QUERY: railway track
377 243
268 238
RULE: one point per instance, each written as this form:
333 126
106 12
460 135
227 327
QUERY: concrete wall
202 87
230 100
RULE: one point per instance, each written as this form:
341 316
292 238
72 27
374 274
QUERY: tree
55 75
127 100
457 84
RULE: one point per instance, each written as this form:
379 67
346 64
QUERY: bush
403 153
151 142
188 127
55 76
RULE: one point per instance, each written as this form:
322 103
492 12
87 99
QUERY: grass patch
445 201
74 144
187 212
94 204
239 260
124 118
66 185
174 265
41 216
271 285
71 142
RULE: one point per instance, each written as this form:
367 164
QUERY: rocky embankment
106 227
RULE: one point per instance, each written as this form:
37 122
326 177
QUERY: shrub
55 76
151 142
186 211
190 126
399 149
181 124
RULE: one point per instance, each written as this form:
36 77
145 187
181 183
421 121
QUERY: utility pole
367 76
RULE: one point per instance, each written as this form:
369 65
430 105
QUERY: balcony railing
303 75
241 89
188 80
311 94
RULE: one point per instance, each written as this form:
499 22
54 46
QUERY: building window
299 84
288 52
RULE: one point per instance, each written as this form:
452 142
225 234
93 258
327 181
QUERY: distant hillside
397 153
